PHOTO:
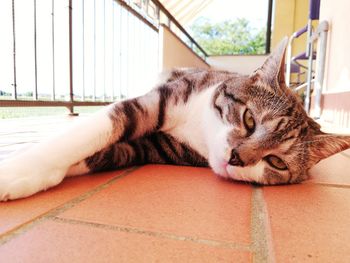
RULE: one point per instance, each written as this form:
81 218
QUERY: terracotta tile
63 242
309 223
333 170
18 212
182 200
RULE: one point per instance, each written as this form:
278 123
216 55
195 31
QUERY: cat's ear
324 145
272 71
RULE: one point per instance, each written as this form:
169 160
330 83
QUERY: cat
247 128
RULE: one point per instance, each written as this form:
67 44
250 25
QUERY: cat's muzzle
235 160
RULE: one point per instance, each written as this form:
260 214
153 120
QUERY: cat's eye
276 162
248 120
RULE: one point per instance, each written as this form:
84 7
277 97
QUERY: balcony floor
163 213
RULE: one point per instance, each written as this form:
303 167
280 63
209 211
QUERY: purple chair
319 34
294 65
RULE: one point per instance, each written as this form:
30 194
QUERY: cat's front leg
47 163
25 175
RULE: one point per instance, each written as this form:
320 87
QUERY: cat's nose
235 160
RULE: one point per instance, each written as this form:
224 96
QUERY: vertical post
309 53
94 94
268 28
288 61
147 7
120 51
71 92
158 13
104 50
53 48
321 61
127 50
113 48
14 92
35 93
83 35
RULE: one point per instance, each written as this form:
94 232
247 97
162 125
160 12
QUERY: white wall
337 75
236 63
173 53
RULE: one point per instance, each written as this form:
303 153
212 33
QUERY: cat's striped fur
249 128
146 138
157 147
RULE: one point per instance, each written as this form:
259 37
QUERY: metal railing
80 52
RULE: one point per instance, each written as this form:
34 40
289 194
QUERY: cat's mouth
229 172
225 169
221 169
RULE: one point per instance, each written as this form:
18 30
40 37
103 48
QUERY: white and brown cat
248 128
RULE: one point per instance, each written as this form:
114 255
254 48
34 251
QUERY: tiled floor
160 213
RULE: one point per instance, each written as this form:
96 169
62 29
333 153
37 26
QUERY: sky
253 10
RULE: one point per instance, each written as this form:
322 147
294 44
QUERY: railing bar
53 49
83 36
44 103
120 49
104 50
131 50
145 55
268 28
127 54
35 94
14 94
113 48
71 88
128 23
137 14
147 7
137 32
158 13
94 94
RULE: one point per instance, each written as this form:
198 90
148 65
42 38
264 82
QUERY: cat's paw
20 178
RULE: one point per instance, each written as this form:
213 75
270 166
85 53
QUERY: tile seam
260 229
9 235
164 235
345 155
330 185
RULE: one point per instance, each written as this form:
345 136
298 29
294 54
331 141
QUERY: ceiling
185 10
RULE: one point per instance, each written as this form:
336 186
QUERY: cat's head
260 131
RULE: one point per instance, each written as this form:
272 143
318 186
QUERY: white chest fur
185 121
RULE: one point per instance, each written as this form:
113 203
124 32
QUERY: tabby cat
248 128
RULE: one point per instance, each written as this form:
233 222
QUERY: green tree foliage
228 37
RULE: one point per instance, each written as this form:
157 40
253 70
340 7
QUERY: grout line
345 154
260 229
4 238
332 185
208 242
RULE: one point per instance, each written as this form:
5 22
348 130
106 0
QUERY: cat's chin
228 172
252 174
247 174
222 173
220 168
